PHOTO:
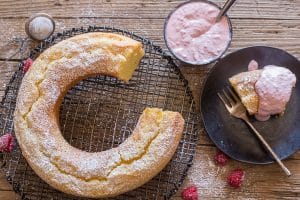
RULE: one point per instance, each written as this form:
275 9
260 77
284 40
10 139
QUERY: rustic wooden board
6 72
6 192
262 182
283 34
267 9
260 22
8 195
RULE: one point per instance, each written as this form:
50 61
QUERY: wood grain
6 72
259 22
8 195
261 182
6 192
262 9
246 32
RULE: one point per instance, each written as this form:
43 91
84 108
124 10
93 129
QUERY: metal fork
238 110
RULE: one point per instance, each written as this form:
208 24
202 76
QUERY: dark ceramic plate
232 135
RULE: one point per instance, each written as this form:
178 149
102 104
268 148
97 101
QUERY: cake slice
264 92
244 85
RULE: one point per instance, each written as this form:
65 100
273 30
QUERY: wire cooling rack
100 113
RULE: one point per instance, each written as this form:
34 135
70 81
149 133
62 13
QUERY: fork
238 110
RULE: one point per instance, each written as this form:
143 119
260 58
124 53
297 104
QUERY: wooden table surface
257 22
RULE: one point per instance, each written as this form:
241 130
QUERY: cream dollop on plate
274 88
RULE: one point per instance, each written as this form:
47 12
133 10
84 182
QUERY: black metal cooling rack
100 113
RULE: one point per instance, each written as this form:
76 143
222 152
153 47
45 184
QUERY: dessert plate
231 135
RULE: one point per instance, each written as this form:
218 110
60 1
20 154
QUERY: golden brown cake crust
244 85
101 174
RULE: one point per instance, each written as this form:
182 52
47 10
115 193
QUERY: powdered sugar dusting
208 179
211 179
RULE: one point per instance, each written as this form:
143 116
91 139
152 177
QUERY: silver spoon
225 8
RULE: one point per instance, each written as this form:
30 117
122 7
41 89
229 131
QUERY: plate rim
201 97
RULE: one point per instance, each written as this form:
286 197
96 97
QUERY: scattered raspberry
253 65
6 143
190 193
236 178
221 158
27 64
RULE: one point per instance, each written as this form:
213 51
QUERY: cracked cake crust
89 174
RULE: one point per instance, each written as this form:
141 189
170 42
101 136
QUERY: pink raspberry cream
193 35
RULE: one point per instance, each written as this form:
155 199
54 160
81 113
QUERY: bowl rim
198 63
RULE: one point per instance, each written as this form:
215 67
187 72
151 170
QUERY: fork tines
231 98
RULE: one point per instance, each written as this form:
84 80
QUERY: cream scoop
194 36
274 88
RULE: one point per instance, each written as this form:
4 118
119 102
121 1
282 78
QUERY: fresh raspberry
236 178
6 143
253 65
221 158
27 64
190 193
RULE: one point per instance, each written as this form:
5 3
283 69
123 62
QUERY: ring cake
36 119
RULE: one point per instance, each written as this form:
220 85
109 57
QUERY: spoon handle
225 8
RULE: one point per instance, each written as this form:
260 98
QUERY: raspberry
236 178
6 143
190 193
253 65
27 64
221 158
